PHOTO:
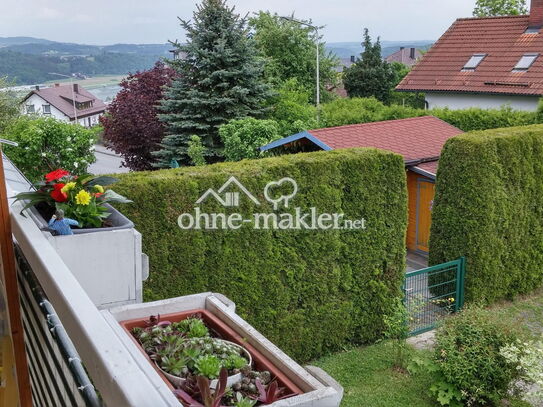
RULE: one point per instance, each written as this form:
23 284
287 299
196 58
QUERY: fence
433 293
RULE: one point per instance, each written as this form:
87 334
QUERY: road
107 162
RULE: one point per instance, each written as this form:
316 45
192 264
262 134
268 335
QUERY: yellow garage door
425 200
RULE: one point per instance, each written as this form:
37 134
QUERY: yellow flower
68 187
82 197
99 188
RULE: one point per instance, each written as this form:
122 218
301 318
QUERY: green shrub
46 144
489 208
309 291
364 110
468 355
242 138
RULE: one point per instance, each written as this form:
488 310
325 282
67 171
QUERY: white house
484 62
69 103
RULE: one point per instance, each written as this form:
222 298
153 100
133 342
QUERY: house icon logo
228 199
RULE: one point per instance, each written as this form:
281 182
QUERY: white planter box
108 264
319 389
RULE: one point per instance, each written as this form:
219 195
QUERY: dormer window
525 62
474 62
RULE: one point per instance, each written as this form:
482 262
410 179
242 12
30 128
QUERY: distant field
94 82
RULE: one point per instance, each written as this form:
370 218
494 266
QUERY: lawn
369 380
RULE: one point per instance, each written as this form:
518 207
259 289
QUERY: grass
524 312
94 82
370 381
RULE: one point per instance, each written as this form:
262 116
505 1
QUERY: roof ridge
368 124
492 17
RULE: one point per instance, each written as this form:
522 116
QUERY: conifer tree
220 78
370 75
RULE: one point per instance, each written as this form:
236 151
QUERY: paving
107 162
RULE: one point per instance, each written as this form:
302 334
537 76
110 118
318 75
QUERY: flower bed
210 359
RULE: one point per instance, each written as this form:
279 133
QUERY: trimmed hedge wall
310 292
489 208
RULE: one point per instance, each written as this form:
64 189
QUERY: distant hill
29 60
7 41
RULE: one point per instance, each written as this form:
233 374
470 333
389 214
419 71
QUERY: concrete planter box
107 262
314 388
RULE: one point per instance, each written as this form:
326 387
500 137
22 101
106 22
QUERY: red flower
57 174
57 194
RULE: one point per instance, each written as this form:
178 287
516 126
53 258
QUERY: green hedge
310 292
489 208
364 110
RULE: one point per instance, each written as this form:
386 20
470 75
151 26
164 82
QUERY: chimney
37 87
353 59
402 48
76 88
57 85
412 55
536 14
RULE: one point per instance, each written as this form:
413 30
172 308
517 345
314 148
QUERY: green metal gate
433 293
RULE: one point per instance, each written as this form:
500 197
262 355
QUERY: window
474 62
30 109
46 109
525 62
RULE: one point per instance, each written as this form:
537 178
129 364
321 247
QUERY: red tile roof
416 138
504 41
61 97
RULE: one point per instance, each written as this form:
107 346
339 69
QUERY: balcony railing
73 354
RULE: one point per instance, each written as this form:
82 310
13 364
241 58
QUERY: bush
309 291
468 355
46 144
489 208
242 138
364 110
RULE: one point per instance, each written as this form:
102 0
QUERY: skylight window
474 62
525 62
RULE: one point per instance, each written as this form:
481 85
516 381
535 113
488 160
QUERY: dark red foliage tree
131 125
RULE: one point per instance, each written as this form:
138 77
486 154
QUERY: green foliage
208 366
242 138
220 79
290 52
489 198
291 109
364 110
46 144
468 355
196 151
492 8
308 291
9 104
370 75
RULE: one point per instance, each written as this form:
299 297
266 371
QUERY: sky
104 22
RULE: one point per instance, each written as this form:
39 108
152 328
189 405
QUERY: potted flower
104 250
82 199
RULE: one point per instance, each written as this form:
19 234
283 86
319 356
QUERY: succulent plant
208 366
269 394
241 401
209 398
172 365
234 361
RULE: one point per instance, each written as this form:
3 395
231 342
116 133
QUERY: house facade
419 140
484 62
68 103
